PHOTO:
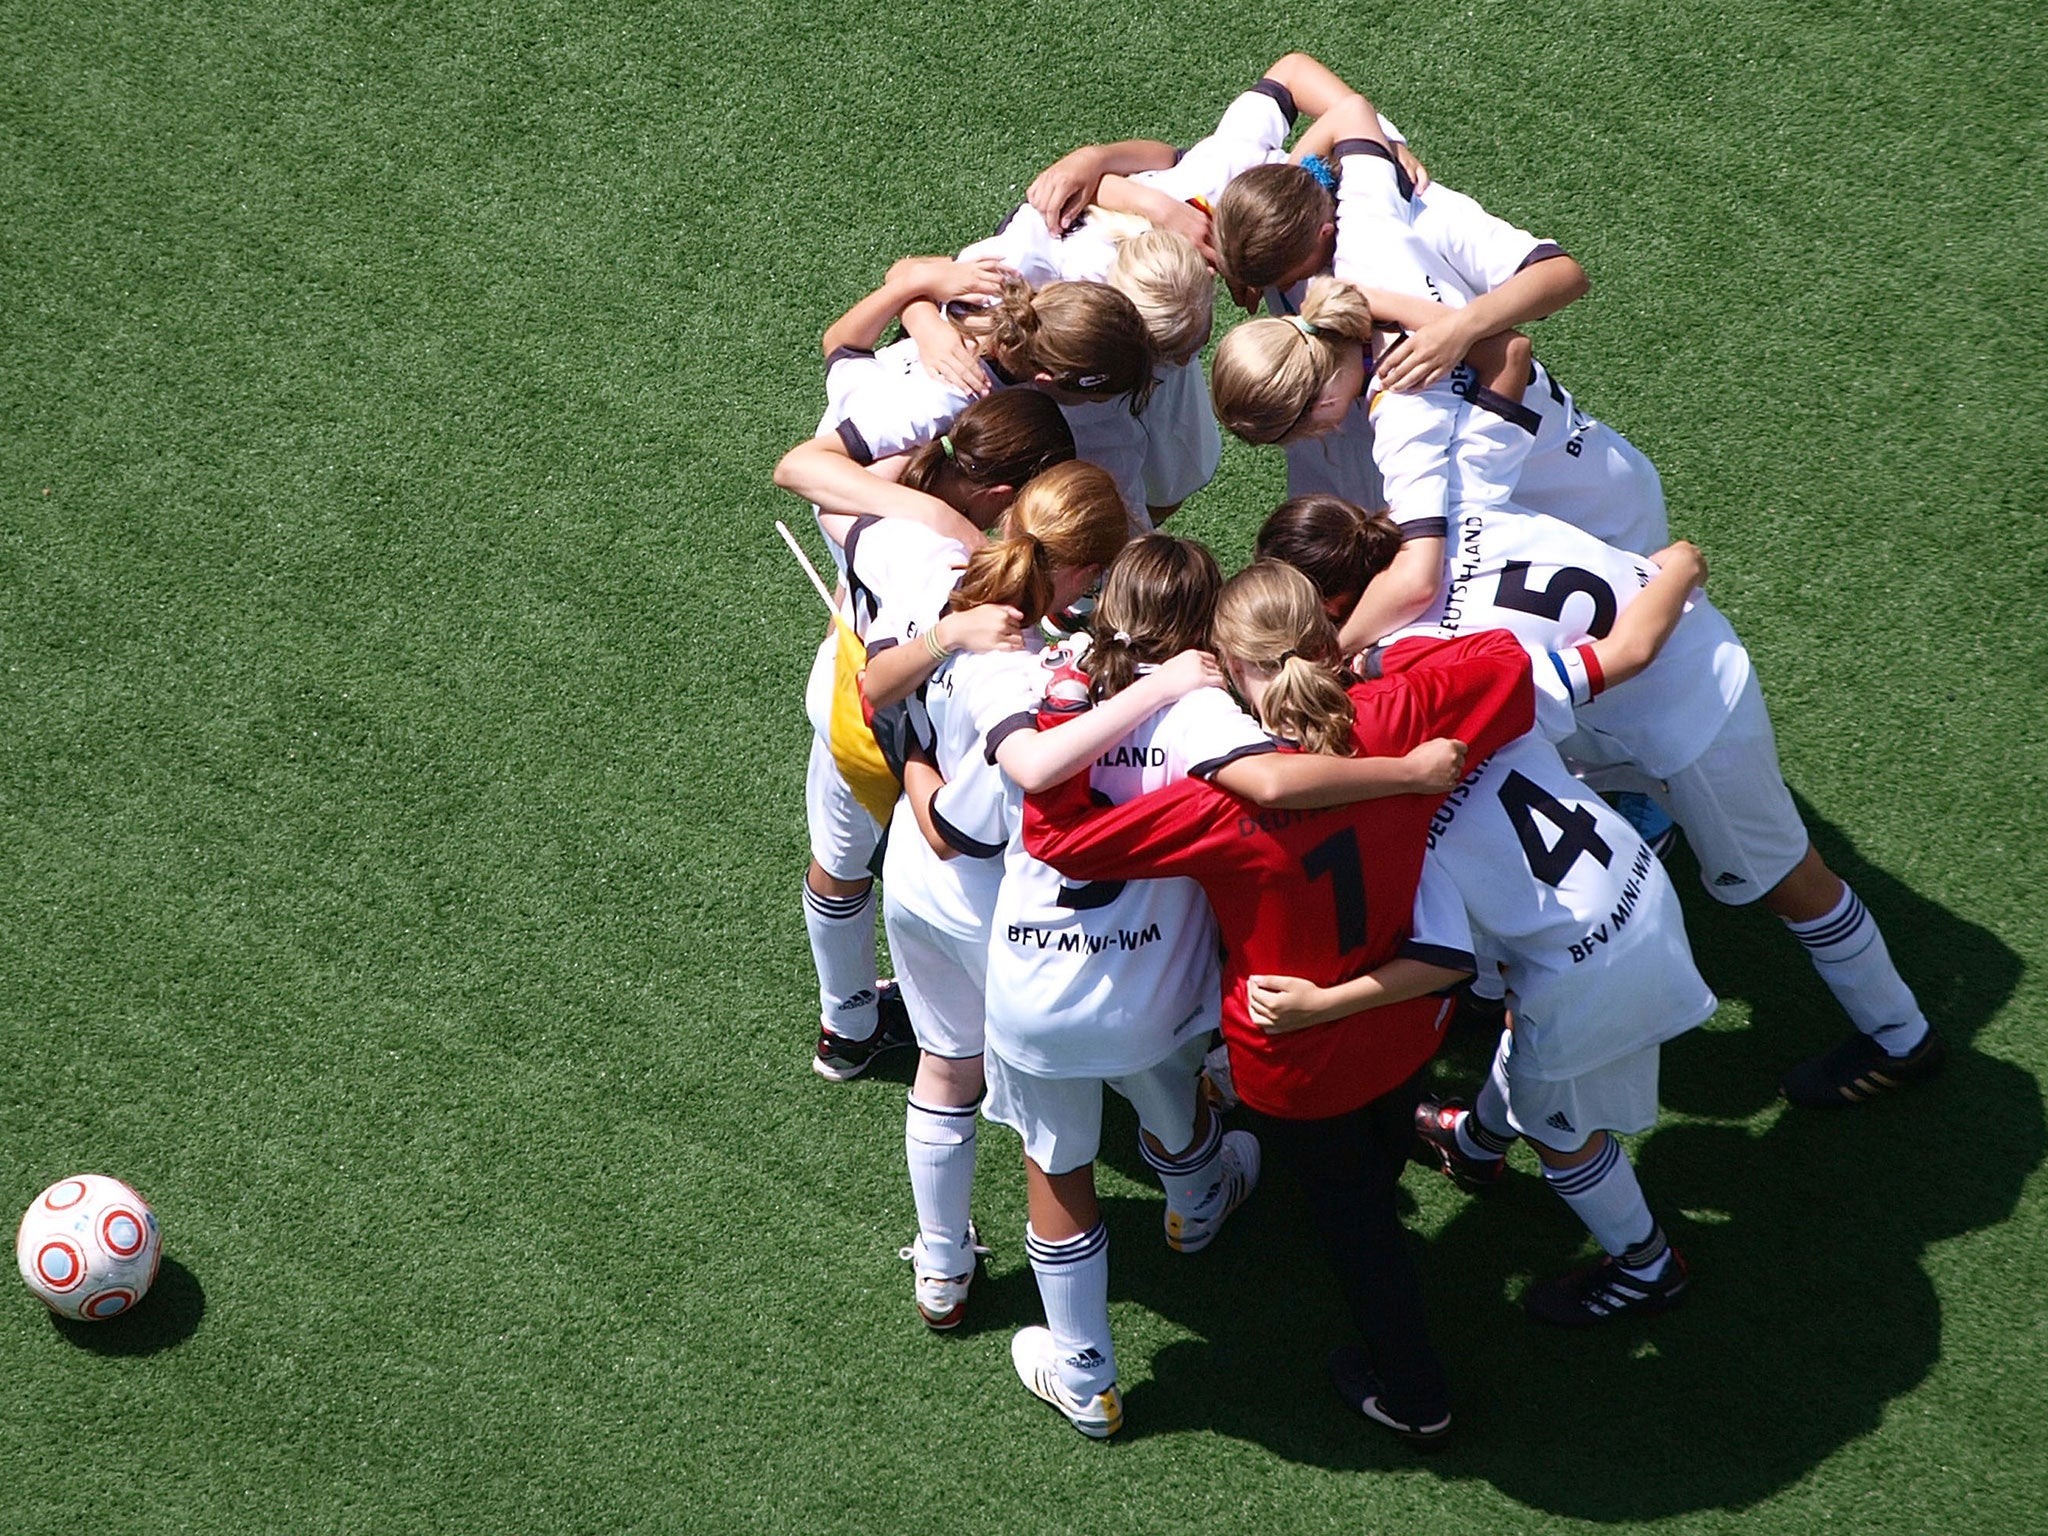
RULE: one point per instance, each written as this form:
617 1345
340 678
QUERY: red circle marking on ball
98 1308
50 1198
64 1282
121 1213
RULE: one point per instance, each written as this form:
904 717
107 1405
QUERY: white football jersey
969 692
1563 892
1554 586
1110 977
903 569
883 403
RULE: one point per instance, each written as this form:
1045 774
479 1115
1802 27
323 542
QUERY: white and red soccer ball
88 1247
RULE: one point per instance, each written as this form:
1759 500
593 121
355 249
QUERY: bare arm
820 470
896 672
1120 194
914 277
1399 595
1314 86
1063 190
1037 760
1308 781
1351 118
1281 1004
921 781
1431 350
1645 624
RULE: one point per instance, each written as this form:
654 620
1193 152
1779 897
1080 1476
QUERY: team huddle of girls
1401 766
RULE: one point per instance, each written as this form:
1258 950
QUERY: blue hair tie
1324 173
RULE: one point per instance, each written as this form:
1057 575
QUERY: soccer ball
88 1247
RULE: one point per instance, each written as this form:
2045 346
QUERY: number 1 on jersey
1337 857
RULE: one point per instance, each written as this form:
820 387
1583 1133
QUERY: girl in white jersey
965 478
1579 914
1054 541
1695 723
1116 983
1459 275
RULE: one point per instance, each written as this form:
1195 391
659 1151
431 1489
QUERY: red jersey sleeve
1172 831
1477 689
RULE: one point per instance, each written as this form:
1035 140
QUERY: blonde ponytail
1270 622
1069 517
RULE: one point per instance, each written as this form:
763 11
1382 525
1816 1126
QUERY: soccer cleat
1603 1291
1037 1360
1859 1069
942 1299
1352 1375
840 1060
1237 1175
1436 1123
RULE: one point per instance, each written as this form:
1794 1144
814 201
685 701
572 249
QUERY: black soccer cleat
1858 1069
1351 1373
840 1060
1436 1126
1605 1291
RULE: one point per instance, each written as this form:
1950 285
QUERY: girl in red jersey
1294 892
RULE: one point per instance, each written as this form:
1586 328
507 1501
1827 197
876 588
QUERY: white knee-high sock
1604 1195
1073 1283
938 1143
1190 1179
842 933
1849 953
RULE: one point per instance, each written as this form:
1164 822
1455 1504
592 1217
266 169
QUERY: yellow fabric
852 740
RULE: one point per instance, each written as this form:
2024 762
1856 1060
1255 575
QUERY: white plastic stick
804 560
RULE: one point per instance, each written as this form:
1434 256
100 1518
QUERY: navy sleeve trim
1362 147
1372 667
1438 954
1283 98
876 647
1215 765
1003 730
856 445
974 848
860 526
1547 251
1506 409
1426 528
838 354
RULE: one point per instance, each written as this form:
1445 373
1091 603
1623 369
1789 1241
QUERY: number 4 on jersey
1524 800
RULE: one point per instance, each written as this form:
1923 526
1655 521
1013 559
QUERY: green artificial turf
401 756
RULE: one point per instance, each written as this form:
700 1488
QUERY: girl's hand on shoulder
1437 766
1063 190
981 278
1186 220
990 627
1684 555
1418 173
1187 672
1282 1004
1426 355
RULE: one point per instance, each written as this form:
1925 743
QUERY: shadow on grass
1804 1230
164 1319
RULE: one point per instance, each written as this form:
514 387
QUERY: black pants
1349 1166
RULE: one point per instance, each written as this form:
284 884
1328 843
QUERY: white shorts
843 835
1736 811
1060 1118
1563 1115
944 981
1583 472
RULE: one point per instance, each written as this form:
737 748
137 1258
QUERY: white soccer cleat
1037 1360
942 1299
1237 1175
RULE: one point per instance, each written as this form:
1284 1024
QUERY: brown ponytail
1337 545
1087 338
1157 600
1270 622
1067 518
1001 439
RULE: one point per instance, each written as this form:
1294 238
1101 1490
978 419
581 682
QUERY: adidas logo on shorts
1558 1122
1724 878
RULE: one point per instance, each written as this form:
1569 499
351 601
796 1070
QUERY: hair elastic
946 446
1122 637
1308 330
1324 173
